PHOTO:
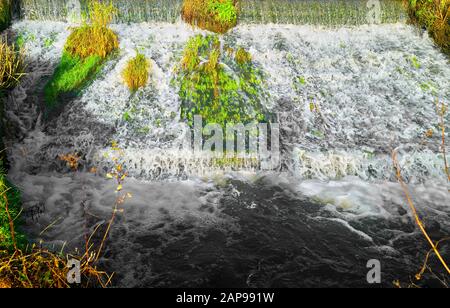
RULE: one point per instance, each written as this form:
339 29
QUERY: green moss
70 76
214 85
5 14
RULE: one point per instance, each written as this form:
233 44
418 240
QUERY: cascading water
345 98
329 12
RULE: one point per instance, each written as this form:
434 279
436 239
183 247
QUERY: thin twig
414 211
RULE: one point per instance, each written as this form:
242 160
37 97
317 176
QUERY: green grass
9 196
86 49
70 76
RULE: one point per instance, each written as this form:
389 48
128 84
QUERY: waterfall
369 98
317 12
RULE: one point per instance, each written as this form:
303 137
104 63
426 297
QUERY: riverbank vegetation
25 266
434 15
34 266
12 67
84 53
214 15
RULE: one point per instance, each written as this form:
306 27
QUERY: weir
315 12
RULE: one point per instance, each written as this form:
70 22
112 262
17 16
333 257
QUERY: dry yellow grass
12 65
88 41
95 38
5 283
136 72
41 268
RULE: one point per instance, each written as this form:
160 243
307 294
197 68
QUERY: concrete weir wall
316 12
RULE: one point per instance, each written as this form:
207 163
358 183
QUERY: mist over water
344 98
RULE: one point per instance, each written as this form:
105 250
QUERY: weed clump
434 15
5 14
214 85
12 65
214 15
85 51
135 74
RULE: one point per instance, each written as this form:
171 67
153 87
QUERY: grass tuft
11 65
95 38
87 41
84 53
214 15
71 74
41 268
135 74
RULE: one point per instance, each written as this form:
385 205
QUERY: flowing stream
334 204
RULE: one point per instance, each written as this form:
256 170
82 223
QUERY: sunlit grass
11 65
84 53
94 38
136 72
70 75
9 213
214 15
